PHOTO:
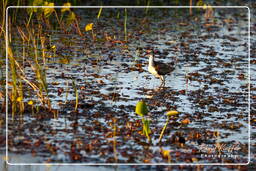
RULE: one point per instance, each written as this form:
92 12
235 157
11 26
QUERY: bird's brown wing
163 69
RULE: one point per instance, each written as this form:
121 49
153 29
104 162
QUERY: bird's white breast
152 70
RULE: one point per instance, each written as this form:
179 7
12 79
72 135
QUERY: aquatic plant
89 27
38 43
99 13
3 5
31 103
166 154
76 93
14 92
142 110
169 114
70 18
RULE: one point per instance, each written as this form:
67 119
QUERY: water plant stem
146 130
76 93
162 132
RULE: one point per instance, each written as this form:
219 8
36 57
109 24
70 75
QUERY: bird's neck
151 60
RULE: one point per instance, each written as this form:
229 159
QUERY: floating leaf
88 27
141 108
172 112
66 7
30 102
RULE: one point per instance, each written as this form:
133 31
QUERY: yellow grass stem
14 82
31 84
162 132
20 96
42 39
99 13
76 94
4 5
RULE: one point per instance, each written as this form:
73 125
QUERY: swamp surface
95 79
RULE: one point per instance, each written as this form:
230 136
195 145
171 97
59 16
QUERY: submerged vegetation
77 76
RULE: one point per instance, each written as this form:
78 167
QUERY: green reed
76 94
125 24
14 92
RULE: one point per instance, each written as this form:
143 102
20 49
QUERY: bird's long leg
161 84
162 81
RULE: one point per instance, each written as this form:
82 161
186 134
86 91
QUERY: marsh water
209 89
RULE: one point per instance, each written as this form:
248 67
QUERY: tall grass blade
125 24
99 13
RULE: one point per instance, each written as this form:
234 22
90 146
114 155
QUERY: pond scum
161 132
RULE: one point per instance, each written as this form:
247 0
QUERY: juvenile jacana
159 69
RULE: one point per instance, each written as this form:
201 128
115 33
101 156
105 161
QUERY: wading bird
159 69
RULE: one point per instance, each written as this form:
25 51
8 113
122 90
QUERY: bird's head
149 53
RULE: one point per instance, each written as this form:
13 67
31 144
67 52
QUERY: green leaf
65 7
37 3
89 27
48 11
141 108
71 18
200 3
